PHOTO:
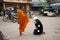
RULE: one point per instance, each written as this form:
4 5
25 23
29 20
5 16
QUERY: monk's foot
20 33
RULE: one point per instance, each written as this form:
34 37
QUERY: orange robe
22 20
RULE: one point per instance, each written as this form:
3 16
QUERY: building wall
25 5
9 0
23 0
17 0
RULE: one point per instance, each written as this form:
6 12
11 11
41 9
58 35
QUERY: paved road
51 28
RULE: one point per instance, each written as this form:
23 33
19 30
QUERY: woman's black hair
37 20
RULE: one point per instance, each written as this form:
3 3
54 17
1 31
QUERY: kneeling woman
39 27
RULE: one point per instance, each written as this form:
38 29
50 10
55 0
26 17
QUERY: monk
22 20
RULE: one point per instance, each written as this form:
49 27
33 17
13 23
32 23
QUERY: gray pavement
51 27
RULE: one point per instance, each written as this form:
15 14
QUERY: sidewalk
51 28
